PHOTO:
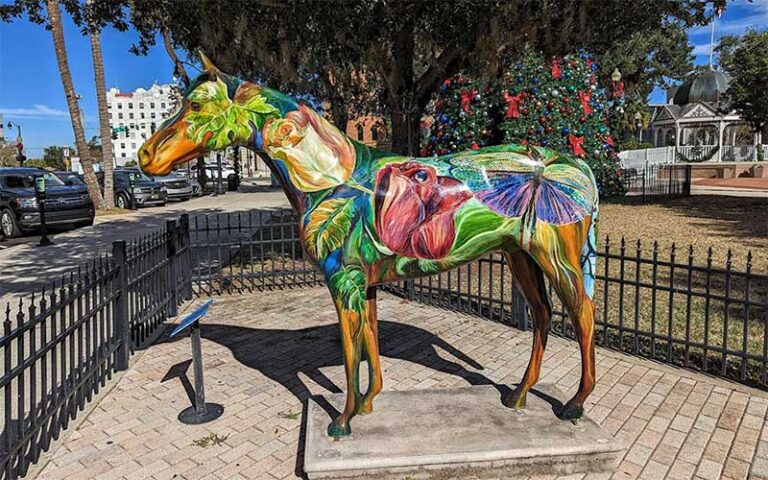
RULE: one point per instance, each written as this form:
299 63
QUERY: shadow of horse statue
282 354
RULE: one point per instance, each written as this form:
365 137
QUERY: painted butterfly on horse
368 217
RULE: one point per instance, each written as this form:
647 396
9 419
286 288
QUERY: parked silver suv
177 186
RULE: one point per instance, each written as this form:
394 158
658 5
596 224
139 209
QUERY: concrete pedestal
464 431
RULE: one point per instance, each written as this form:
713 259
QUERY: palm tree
54 17
104 129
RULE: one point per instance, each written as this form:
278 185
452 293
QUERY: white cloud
702 49
37 111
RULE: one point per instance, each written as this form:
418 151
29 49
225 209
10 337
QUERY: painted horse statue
368 217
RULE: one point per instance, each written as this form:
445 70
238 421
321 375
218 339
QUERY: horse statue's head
219 110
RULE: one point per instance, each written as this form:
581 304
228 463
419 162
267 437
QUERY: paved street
266 352
25 267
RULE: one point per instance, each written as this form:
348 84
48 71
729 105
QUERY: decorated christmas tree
558 104
462 117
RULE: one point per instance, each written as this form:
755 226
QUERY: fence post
410 291
172 245
520 309
186 244
122 322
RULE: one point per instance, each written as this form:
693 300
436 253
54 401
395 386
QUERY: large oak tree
390 56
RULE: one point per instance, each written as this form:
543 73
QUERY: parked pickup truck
177 186
145 192
20 211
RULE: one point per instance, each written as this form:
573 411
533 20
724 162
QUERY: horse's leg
529 278
582 312
371 347
351 311
565 274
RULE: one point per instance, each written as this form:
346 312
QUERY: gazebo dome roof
706 86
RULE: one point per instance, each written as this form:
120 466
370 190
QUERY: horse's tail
589 256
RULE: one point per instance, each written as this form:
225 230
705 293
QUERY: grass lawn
740 224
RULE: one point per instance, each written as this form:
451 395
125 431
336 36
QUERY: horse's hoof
337 431
515 400
365 408
572 411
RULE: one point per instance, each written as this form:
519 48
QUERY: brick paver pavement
265 352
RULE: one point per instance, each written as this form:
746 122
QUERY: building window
122 145
142 114
375 134
122 154
153 114
141 104
130 104
133 145
152 105
119 105
120 115
162 105
130 115
360 132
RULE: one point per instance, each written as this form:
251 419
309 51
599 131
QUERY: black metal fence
655 182
693 309
61 345
709 315
247 251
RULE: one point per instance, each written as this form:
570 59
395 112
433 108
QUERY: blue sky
31 92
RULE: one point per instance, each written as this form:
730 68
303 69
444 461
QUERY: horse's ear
210 68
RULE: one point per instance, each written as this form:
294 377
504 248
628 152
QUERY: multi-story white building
134 117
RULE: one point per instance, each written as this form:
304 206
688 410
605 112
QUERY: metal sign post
40 195
200 412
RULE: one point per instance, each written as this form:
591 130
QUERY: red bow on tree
554 66
576 145
466 99
512 104
584 97
607 139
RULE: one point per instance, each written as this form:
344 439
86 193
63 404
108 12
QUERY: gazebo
700 126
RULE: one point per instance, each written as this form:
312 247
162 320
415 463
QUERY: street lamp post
219 188
638 123
132 194
20 157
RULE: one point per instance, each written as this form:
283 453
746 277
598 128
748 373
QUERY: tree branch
437 72
177 63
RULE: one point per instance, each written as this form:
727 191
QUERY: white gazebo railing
699 153
741 153
647 156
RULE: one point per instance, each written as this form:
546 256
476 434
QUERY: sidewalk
24 268
733 187
265 353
